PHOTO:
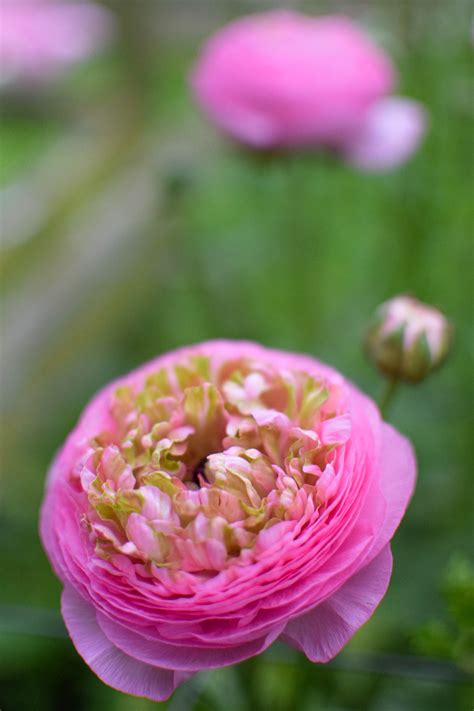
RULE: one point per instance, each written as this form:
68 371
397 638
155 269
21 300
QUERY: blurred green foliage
453 636
293 253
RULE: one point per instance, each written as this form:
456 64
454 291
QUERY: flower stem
387 395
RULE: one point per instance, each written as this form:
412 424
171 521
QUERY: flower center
203 460
199 472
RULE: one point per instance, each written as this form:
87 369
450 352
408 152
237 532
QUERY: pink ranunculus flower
41 38
285 80
216 499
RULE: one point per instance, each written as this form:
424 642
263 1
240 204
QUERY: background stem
391 385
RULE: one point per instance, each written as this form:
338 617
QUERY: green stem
387 395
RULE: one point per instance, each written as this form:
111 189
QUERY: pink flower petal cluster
40 38
284 80
216 499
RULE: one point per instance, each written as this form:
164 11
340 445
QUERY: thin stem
387 396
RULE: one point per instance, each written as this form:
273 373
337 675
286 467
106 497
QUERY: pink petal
392 130
337 430
397 481
323 632
112 666
250 126
179 656
142 535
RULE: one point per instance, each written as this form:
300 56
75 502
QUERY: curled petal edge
110 664
324 631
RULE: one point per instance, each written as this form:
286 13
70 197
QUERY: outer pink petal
323 632
397 482
179 656
112 666
391 132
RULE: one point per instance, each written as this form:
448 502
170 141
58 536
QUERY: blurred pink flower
219 498
40 38
285 80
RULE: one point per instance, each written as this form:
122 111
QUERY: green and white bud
408 339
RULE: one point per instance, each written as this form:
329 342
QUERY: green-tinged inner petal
199 462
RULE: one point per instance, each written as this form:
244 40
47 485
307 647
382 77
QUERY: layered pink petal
322 632
397 482
112 666
184 657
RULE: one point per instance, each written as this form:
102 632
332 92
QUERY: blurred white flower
392 129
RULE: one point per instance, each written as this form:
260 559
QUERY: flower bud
408 339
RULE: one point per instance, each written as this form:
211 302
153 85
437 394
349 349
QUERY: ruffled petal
397 481
181 656
323 632
112 666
